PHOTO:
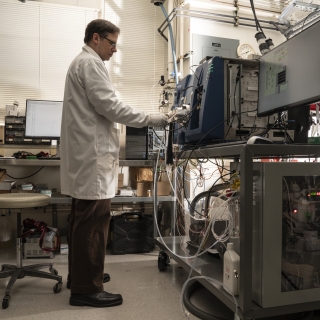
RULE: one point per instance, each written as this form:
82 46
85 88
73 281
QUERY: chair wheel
5 302
53 271
57 287
163 261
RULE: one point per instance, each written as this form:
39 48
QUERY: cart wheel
57 287
5 302
221 250
53 271
163 261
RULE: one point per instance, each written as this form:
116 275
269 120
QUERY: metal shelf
29 162
141 199
57 198
27 146
55 163
136 163
270 150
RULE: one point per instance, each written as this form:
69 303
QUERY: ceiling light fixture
297 6
227 7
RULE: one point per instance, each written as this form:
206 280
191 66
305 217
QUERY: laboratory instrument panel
286 225
141 143
289 74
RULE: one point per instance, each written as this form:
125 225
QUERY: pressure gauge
244 50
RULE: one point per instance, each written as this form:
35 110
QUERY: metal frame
247 153
211 16
56 163
58 198
284 27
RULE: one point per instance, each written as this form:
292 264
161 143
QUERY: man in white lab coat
89 152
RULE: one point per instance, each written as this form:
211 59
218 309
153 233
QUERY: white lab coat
89 138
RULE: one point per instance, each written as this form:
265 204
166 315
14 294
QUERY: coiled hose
210 193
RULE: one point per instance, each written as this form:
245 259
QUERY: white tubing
222 238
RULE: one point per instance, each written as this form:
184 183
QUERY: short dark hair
101 27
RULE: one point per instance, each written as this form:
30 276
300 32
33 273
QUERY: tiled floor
147 293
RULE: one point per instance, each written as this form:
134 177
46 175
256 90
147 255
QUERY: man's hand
158 120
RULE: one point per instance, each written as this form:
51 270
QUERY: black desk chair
20 201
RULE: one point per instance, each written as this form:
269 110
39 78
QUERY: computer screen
43 119
289 74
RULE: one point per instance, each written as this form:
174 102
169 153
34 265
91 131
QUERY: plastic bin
132 232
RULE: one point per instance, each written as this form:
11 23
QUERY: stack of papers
23 187
47 192
26 186
64 248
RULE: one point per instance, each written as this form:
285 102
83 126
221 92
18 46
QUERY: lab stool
20 201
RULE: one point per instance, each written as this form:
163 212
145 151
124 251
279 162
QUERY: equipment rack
210 266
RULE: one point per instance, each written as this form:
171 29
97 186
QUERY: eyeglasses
112 43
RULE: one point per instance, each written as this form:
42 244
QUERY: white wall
188 26
224 30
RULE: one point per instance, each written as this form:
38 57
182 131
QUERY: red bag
31 226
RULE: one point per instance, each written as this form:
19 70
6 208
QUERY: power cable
26 176
258 26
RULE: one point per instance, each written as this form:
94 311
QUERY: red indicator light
295 211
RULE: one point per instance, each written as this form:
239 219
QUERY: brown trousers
88 233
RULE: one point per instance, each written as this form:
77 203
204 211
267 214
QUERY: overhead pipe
160 3
175 13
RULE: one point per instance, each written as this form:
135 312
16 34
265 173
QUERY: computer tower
136 143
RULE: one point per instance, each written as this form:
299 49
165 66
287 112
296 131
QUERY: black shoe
106 278
99 300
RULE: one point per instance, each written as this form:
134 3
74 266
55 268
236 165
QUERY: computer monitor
43 119
289 74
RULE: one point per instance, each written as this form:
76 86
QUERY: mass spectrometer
219 101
